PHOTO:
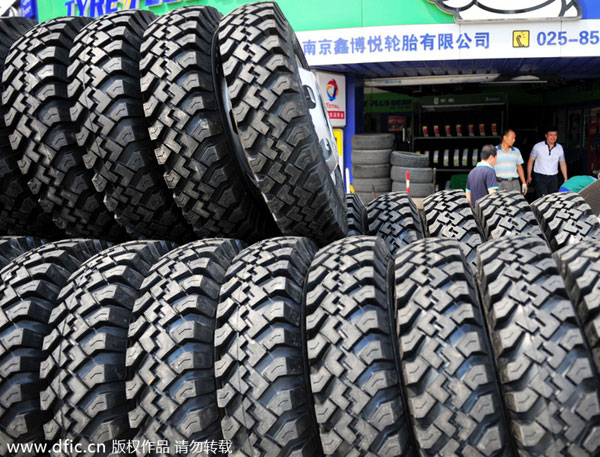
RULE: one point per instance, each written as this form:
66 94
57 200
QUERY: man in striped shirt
509 164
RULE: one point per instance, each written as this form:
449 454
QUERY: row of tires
373 345
184 126
560 219
285 349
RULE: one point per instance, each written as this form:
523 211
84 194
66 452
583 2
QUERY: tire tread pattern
352 350
565 218
260 56
109 117
19 212
85 369
549 385
447 362
579 266
29 289
261 368
506 213
395 218
13 246
43 137
170 351
181 107
358 220
448 214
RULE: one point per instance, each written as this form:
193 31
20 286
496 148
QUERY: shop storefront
446 81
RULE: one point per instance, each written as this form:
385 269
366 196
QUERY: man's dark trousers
545 184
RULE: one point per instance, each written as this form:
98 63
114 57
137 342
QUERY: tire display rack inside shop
452 130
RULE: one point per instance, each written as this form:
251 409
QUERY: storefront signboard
452 42
333 94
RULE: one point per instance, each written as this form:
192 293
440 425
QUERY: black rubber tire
368 185
13 246
379 157
260 342
367 197
395 218
579 265
447 362
352 350
417 189
260 56
370 171
181 108
171 347
358 220
448 214
591 194
565 218
373 141
19 212
85 371
506 213
43 137
549 385
417 175
409 159
29 289
109 116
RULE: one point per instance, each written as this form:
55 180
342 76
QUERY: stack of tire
386 345
133 126
417 167
371 164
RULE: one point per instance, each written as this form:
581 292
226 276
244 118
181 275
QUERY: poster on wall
333 93
28 8
574 128
559 120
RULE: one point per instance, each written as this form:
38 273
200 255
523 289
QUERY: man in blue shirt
547 156
482 179
509 164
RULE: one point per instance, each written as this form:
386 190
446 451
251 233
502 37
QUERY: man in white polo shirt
547 156
509 164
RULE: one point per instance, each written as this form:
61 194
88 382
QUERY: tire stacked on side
417 167
371 164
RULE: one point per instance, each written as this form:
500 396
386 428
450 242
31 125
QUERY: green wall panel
303 15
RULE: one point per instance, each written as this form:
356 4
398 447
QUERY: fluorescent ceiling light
430 80
523 79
